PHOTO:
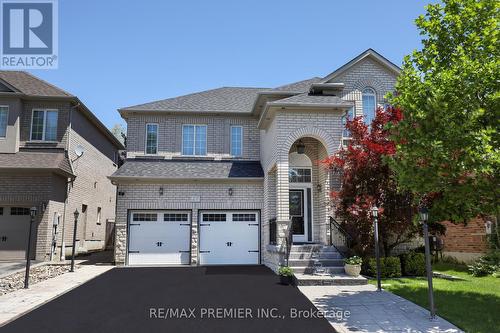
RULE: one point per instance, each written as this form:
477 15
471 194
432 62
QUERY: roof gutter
134 179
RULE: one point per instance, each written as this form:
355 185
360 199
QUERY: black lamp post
28 250
76 213
424 217
374 212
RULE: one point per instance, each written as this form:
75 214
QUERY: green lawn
473 304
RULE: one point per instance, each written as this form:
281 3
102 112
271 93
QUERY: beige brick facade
319 128
47 189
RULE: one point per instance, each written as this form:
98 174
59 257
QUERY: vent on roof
4 88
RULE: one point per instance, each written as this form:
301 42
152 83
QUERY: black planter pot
286 280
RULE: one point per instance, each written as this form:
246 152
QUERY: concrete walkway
17 303
372 311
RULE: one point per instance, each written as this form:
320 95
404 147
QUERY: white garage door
159 238
14 228
229 238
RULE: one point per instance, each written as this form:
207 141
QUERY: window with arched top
369 105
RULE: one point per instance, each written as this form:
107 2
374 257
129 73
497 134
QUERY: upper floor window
236 140
346 135
44 125
194 140
369 105
151 139
4 114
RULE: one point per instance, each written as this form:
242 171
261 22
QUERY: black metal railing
339 238
273 231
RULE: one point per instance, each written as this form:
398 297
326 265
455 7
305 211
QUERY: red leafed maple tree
367 180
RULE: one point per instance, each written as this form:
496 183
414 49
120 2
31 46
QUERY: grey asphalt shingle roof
30 85
225 99
188 169
312 100
299 86
55 161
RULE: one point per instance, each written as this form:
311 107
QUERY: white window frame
146 138
374 94
345 116
44 132
7 123
231 140
194 139
300 167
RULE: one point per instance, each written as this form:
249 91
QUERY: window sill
41 141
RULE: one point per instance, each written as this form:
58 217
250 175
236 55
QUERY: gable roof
188 169
220 100
370 53
27 84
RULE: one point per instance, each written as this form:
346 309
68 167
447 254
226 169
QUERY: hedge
413 264
389 267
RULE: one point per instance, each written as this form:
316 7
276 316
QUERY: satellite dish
79 150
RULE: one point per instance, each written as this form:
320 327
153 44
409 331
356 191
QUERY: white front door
159 238
229 238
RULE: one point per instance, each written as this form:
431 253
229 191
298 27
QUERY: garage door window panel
244 217
214 217
19 211
145 217
175 217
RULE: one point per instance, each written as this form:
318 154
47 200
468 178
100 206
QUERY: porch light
161 190
301 147
319 188
424 214
33 211
230 191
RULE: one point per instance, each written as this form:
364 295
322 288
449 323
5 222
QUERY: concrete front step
308 255
313 248
328 280
311 269
312 262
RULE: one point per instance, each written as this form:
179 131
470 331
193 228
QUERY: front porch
300 230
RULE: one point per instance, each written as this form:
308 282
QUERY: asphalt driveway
192 299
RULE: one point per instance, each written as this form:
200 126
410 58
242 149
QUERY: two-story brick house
55 155
218 177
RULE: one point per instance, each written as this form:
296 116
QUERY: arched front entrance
308 190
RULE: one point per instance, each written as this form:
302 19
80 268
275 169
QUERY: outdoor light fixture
319 188
230 191
301 147
374 211
76 214
424 217
161 190
424 214
43 206
28 250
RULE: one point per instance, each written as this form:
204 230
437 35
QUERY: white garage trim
229 237
159 237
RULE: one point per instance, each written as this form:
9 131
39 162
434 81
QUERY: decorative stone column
120 244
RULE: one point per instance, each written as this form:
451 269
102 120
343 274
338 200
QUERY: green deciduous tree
447 151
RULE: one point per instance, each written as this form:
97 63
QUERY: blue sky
117 53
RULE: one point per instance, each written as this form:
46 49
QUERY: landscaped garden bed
472 304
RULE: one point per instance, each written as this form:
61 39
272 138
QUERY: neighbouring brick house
222 176
466 242
55 155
